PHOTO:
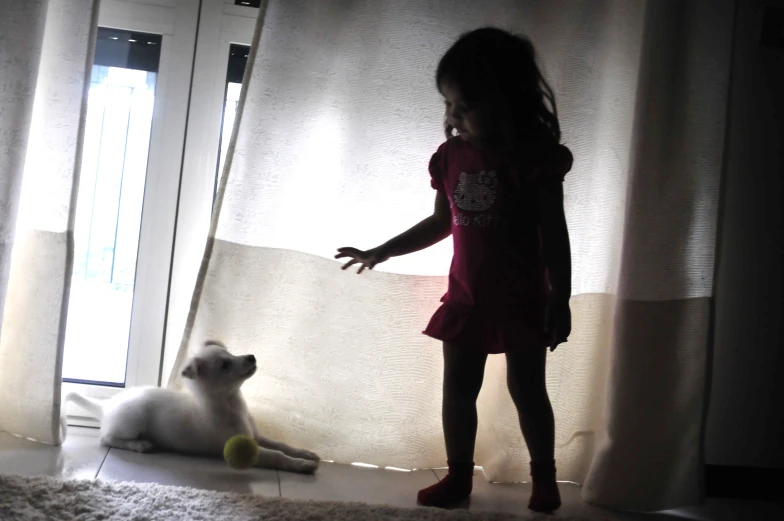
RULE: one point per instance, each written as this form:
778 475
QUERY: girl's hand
558 322
368 259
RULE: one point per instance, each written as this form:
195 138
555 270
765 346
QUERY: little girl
498 181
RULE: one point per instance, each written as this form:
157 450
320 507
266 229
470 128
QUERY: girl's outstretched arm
424 234
558 256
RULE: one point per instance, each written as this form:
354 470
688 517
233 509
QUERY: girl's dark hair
492 65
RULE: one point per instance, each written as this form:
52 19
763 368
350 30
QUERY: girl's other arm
558 257
555 239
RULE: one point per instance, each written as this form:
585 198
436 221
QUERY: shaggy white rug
42 498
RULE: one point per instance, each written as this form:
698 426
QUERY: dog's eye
225 365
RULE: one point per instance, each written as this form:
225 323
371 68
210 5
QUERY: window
109 206
127 200
165 84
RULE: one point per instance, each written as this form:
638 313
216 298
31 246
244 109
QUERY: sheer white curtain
46 50
338 119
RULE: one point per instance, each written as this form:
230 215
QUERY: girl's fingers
346 252
356 257
366 265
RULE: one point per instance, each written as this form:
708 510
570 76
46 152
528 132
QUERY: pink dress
498 285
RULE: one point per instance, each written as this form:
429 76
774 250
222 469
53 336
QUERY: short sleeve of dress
552 166
437 168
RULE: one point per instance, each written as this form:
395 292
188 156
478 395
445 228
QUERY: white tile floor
83 458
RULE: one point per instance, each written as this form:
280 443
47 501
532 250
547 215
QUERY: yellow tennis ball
240 452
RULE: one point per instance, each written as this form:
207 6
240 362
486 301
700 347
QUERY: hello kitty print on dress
476 192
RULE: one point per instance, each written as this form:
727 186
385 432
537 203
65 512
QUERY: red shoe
545 496
453 489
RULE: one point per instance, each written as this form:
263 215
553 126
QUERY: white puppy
198 422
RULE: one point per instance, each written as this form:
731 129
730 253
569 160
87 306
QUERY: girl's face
470 120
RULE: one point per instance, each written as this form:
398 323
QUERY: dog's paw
306 466
142 446
306 454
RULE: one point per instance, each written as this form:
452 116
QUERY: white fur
198 422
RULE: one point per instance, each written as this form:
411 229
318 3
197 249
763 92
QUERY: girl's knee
459 386
527 390
463 373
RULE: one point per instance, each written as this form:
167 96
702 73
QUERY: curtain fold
339 118
46 52
658 389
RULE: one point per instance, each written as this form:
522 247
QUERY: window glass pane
238 58
109 206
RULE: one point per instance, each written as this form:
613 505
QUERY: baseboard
753 483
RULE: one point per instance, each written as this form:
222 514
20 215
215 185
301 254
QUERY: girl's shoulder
451 156
452 144
456 149
449 151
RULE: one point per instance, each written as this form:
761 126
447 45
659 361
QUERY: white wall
744 425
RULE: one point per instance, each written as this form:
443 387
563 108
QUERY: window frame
221 24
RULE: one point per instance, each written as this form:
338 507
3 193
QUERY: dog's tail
94 407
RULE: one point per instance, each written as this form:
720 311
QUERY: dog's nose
251 359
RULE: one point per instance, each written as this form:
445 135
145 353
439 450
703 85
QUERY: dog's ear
193 369
218 343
